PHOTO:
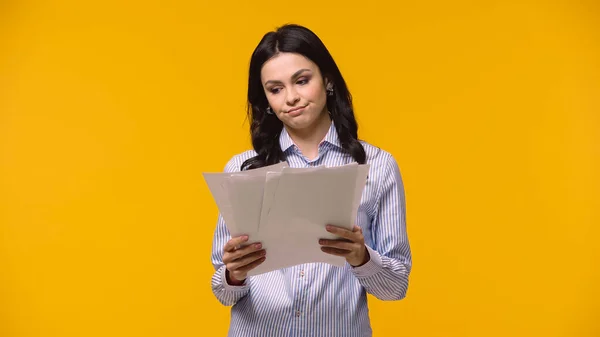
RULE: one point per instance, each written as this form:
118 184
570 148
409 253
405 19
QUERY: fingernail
257 246
328 227
245 237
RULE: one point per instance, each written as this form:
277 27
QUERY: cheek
316 94
275 101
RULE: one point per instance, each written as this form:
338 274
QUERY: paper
216 183
287 209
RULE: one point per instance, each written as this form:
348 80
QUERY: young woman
301 112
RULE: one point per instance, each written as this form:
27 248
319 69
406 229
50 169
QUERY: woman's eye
303 81
274 90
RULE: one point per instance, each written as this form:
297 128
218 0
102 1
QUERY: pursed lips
298 108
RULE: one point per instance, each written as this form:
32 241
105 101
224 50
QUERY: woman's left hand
351 246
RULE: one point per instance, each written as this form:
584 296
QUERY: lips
296 111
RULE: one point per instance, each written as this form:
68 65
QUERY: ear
328 84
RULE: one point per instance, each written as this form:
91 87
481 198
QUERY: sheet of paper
245 197
319 196
287 209
271 183
304 201
217 183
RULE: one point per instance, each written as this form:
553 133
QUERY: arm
228 293
225 292
386 273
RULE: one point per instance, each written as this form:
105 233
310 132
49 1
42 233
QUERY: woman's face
295 90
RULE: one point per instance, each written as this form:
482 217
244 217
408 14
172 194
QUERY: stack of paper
286 209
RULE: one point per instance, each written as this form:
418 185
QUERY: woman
301 112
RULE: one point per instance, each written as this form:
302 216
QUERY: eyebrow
296 74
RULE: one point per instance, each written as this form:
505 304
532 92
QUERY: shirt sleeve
226 294
385 276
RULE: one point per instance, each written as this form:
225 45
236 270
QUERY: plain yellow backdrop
111 110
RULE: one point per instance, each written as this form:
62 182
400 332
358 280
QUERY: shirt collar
285 141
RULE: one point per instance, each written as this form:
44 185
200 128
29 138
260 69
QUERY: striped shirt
318 299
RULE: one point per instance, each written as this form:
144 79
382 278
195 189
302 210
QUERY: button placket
303 291
299 302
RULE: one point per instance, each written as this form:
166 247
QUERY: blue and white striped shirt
318 299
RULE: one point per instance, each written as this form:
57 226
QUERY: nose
292 97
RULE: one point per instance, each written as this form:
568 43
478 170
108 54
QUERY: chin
300 122
296 126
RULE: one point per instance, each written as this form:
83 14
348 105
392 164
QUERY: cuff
229 287
372 267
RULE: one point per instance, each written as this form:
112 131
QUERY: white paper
218 183
287 209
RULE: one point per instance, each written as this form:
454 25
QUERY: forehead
283 65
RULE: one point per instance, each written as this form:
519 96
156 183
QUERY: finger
252 265
237 254
345 245
357 229
241 252
234 242
339 231
352 236
240 263
335 251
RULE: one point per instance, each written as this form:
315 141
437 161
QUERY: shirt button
298 313
302 273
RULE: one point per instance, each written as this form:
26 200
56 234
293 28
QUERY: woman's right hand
240 260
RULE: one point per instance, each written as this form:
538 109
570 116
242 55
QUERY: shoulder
384 171
379 159
235 163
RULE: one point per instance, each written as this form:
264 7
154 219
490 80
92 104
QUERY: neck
308 139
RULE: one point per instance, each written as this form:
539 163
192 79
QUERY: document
287 209
216 183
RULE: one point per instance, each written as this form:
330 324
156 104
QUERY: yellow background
111 110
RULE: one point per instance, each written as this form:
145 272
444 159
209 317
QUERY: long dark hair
265 128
